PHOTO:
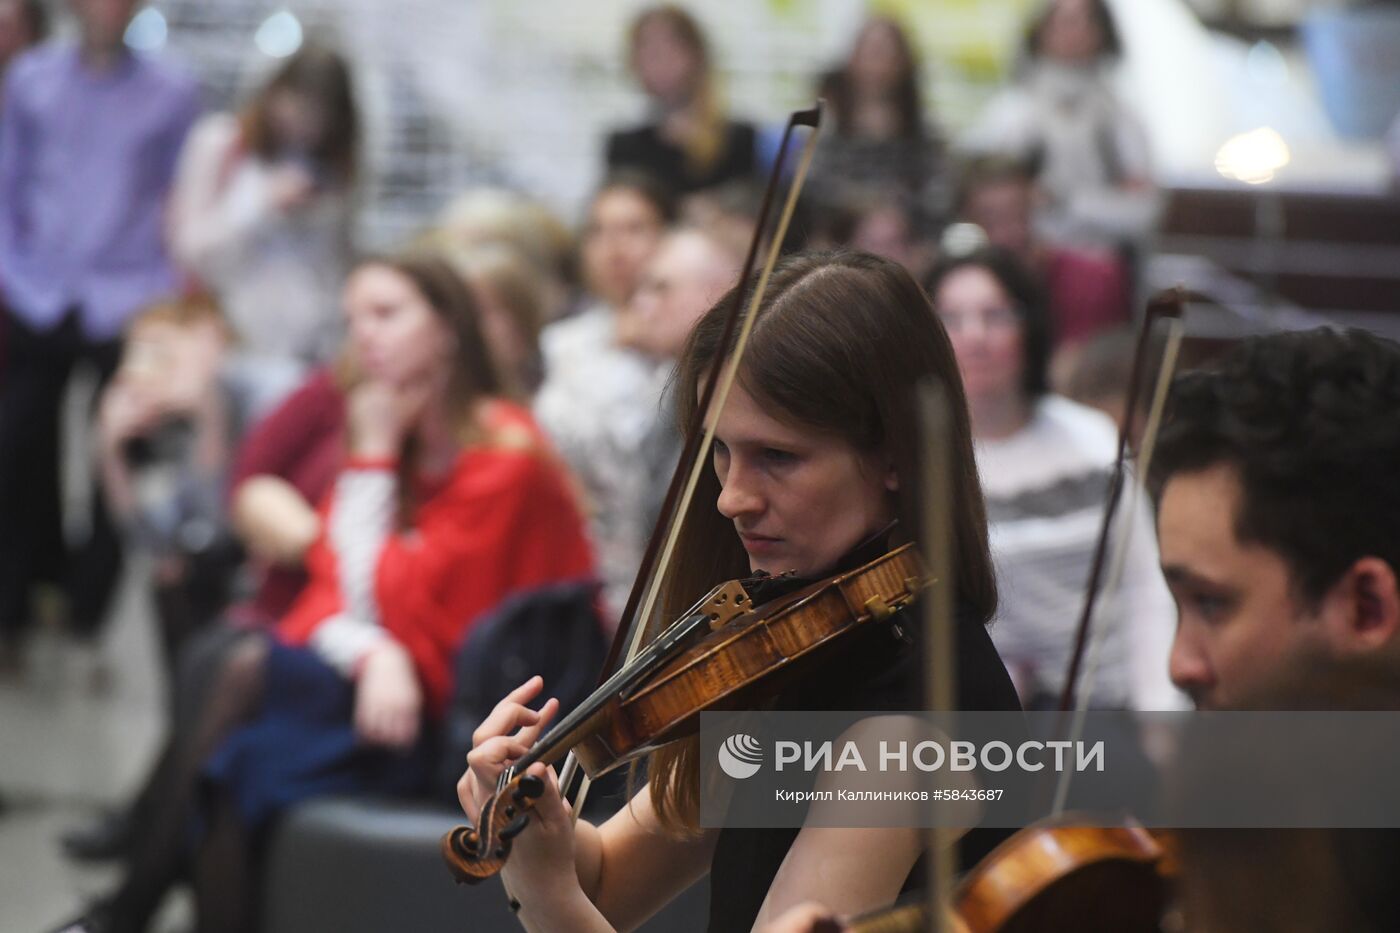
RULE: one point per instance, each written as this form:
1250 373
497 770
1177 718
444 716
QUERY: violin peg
878 608
530 787
516 826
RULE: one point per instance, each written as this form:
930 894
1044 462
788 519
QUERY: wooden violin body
748 657
1054 876
723 654
1047 878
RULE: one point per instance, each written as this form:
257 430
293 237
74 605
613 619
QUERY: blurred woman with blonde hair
688 142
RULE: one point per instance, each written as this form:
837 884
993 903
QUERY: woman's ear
891 477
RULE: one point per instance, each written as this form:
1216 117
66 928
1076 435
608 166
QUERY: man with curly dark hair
1279 523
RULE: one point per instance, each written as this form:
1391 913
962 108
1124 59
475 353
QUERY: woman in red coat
450 500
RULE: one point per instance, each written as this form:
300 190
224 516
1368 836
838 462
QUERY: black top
880 672
850 175
643 150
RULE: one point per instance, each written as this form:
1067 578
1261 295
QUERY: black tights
222 689
225 880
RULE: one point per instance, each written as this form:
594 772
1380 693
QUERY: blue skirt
303 744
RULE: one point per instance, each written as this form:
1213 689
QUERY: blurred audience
286 464
625 447
510 297
729 213
494 216
261 212
878 147
1045 464
1102 370
89 136
512 304
625 222
888 228
167 427
345 695
1063 115
1087 289
690 271
688 143
597 401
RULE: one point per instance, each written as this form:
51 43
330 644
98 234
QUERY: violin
1105 878
721 654
1048 878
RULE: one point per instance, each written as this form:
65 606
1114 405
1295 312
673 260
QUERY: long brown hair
908 102
323 76
841 341
705 147
472 377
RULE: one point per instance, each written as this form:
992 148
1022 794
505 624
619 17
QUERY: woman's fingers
504 720
530 733
511 713
495 754
526 691
549 807
505 735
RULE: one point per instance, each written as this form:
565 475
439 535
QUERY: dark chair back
554 631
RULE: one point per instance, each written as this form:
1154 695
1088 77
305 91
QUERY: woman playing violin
813 472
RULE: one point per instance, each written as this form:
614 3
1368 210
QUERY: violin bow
641 601
933 912
1168 305
939 671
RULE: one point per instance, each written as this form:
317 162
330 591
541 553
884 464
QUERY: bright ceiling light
1254 157
279 36
147 31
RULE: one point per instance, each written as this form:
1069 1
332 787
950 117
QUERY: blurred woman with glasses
1045 464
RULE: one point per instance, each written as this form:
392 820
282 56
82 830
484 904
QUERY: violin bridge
726 604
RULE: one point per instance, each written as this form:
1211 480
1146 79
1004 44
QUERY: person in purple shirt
89 135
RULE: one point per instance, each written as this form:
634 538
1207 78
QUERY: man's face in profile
1243 640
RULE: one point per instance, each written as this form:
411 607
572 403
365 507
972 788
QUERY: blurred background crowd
238 240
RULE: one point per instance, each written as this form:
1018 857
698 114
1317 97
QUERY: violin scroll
474 854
